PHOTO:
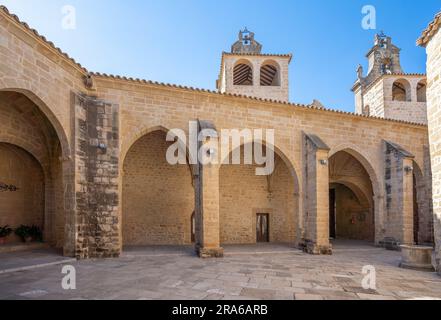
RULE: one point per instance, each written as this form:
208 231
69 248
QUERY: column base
210 252
311 247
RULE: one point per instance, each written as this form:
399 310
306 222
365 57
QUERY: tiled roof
289 55
430 31
167 85
250 98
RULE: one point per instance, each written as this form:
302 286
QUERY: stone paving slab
248 273
24 260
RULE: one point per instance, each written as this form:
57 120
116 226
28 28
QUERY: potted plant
4 233
24 232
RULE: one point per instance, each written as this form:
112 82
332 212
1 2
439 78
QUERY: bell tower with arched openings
245 70
386 91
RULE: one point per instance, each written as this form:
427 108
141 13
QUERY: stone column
399 193
96 154
316 196
206 179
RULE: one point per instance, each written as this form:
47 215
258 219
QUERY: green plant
5 231
24 232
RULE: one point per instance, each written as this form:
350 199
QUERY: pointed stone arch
244 196
38 132
157 199
354 189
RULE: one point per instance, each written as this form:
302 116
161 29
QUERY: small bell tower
245 70
386 91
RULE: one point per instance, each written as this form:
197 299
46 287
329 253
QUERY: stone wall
92 225
26 205
434 114
378 98
96 163
243 195
157 198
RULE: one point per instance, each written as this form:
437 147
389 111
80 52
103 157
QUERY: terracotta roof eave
250 98
391 75
430 31
287 55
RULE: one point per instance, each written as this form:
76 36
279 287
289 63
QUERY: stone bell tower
245 70
386 91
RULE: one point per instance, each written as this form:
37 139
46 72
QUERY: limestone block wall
157 198
378 99
354 216
373 100
26 205
434 115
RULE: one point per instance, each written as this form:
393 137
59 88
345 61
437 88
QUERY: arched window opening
421 91
270 74
243 74
401 90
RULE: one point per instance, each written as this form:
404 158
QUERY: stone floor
246 272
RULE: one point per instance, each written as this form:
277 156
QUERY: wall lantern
324 162
408 169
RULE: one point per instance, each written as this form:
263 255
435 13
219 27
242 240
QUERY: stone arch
46 109
157 199
355 151
137 134
352 187
30 125
277 150
421 91
244 195
423 217
401 90
243 73
270 74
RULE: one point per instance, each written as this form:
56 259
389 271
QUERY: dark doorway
332 221
262 227
193 228
416 221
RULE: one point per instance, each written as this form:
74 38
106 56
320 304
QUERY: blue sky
180 42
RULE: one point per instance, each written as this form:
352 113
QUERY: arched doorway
31 154
422 209
256 208
351 207
157 197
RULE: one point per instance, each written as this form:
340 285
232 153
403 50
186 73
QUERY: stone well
416 257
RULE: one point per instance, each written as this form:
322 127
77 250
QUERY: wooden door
262 227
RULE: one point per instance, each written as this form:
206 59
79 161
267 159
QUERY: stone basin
416 257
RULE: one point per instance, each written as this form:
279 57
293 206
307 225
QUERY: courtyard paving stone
261 272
